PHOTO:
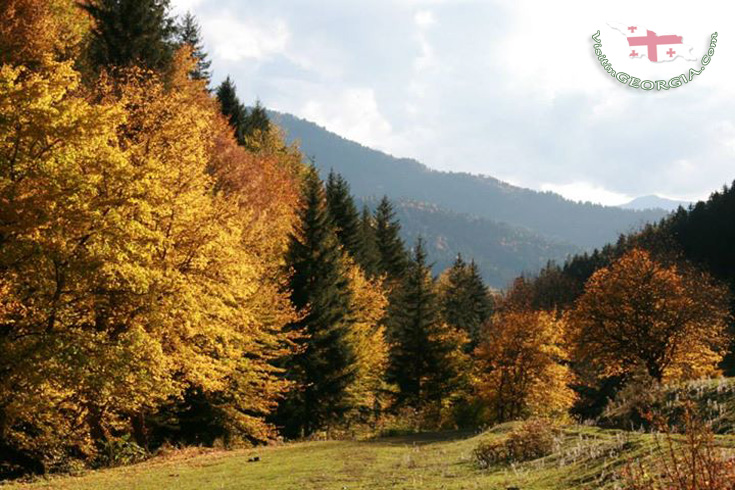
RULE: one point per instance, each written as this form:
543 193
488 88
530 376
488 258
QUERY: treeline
172 272
696 244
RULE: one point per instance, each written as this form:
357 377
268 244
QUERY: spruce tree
391 251
422 345
368 256
466 303
344 213
131 32
247 124
256 121
320 291
483 303
189 33
232 108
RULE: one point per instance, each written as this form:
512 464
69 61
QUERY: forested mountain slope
373 173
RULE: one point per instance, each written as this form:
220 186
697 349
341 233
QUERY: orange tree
638 314
522 369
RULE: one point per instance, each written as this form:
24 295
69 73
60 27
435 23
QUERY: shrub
696 463
532 440
121 451
631 407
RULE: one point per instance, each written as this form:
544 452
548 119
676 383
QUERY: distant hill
654 202
501 251
508 230
373 173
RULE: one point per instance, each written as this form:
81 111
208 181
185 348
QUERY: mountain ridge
655 202
476 215
373 173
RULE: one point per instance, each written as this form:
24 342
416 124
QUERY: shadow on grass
423 438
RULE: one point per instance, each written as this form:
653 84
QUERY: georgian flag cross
657 48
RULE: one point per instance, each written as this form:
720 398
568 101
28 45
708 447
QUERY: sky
507 88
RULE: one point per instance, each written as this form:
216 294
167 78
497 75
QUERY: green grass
584 457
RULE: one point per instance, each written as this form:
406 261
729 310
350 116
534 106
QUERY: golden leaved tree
522 366
67 193
141 270
367 339
34 30
638 314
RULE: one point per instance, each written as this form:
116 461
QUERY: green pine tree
189 33
466 303
319 290
368 256
391 251
344 213
423 361
232 108
248 125
131 32
256 121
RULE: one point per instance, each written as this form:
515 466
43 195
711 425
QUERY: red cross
632 29
633 53
671 53
652 40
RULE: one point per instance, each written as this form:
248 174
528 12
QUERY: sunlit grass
584 457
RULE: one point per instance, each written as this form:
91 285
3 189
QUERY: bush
532 440
696 463
631 407
121 451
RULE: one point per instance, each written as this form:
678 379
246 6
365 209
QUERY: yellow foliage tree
32 31
218 251
63 181
141 270
522 366
367 339
638 314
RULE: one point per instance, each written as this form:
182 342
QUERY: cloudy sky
508 88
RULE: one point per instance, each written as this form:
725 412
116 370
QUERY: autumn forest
173 273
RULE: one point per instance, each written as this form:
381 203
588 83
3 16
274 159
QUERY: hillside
500 250
584 458
373 173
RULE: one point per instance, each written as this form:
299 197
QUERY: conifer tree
252 126
465 301
319 287
424 355
480 298
368 256
256 121
189 34
392 254
344 213
131 32
232 108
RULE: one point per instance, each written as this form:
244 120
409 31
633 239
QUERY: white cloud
426 58
424 19
186 5
236 40
352 113
586 192
509 88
